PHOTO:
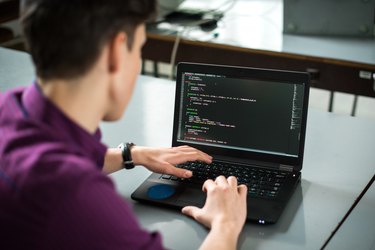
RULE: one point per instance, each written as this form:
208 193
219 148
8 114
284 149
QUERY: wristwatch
127 160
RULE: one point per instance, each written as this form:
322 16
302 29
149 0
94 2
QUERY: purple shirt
53 194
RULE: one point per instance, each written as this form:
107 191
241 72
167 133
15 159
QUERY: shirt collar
40 109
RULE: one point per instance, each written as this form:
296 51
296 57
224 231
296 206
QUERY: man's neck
81 100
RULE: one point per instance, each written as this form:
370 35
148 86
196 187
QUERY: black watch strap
127 160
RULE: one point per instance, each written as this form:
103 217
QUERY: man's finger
178 172
232 181
191 149
192 156
208 185
190 211
205 157
221 180
242 190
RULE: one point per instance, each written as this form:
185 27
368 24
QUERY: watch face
129 165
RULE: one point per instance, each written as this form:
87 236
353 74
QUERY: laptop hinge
286 168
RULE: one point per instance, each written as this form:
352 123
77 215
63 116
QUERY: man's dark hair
65 37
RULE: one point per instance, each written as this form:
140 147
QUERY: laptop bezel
251 73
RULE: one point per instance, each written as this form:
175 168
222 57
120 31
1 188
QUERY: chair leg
156 69
330 107
143 71
355 102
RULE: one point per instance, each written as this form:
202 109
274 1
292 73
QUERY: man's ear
116 52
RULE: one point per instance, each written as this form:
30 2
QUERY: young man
53 193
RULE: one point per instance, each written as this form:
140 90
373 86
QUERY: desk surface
339 162
258 24
359 227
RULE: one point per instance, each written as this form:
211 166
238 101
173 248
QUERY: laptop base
157 191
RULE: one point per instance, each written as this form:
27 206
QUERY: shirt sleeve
94 216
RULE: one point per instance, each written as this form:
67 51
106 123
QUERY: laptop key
166 176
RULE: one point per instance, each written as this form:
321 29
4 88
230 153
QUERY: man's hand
164 160
224 212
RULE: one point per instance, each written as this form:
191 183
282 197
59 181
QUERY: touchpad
160 191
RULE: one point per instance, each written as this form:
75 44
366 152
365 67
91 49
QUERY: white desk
339 162
359 227
258 24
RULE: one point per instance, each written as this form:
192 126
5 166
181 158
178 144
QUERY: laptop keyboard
260 182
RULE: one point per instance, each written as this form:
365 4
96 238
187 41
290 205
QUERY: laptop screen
246 112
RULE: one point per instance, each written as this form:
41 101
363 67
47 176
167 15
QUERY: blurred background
332 40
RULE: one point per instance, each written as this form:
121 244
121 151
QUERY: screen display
240 113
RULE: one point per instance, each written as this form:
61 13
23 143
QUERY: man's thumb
190 211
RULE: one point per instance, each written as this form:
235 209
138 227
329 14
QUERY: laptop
252 121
